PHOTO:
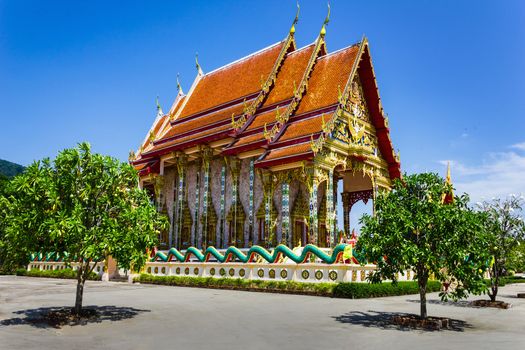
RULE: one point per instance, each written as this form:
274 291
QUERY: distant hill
10 169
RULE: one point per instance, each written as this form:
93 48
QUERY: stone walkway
157 317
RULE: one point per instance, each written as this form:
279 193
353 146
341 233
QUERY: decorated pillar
330 212
222 220
181 194
158 187
336 208
195 228
206 158
268 189
285 210
250 210
345 196
314 220
235 168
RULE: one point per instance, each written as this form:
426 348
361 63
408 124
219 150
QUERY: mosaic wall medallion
177 270
271 273
231 272
284 274
305 274
363 276
319 274
332 275
149 269
163 270
212 271
260 273
242 272
222 272
187 271
196 271
354 276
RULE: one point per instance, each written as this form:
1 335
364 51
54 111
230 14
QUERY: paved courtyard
146 317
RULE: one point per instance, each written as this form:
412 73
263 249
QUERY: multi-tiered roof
272 105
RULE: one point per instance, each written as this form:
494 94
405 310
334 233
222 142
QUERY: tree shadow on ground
383 320
58 316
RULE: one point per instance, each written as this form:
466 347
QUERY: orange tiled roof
244 140
264 118
207 110
305 127
289 151
232 81
178 141
291 71
208 119
329 76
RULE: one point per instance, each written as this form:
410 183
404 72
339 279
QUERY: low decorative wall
60 265
307 272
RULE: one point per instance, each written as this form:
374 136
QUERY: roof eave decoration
150 136
197 65
380 120
199 76
281 119
245 119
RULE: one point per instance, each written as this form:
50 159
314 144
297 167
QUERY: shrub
351 290
64 274
385 289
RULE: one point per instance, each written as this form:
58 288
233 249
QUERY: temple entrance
356 199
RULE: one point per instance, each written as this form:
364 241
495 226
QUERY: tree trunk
494 282
422 282
80 290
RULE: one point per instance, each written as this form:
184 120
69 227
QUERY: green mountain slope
10 169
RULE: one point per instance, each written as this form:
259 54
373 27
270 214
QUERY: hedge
375 290
351 290
64 274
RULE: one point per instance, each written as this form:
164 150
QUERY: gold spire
326 20
292 29
199 69
159 109
448 197
179 88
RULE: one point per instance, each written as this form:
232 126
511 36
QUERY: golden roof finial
326 20
199 69
292 29
160 113
179 88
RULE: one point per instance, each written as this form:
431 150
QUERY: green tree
4 182
84 207
413 229
505 229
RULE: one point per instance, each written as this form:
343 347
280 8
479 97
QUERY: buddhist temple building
254 152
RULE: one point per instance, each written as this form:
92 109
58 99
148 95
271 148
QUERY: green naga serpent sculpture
233 253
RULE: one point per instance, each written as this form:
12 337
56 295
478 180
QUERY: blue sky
451 74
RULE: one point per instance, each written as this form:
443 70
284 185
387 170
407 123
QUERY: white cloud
498 175
519 146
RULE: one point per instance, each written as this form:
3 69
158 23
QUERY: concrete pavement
147 316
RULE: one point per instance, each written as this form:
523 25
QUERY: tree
4 182
83 207
505 229
413 229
